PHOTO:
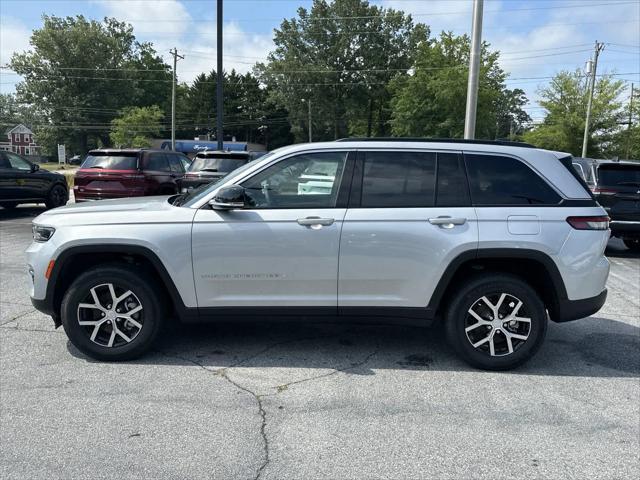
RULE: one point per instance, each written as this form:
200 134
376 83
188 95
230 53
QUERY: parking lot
316 401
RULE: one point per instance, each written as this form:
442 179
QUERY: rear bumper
622 228
574 309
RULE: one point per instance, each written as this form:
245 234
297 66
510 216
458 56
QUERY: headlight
42 234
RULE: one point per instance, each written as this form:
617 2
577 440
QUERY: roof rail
504 143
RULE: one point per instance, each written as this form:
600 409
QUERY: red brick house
21 141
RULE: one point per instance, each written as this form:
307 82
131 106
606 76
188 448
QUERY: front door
281 250
409 216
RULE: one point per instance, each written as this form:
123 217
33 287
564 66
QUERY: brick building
21 141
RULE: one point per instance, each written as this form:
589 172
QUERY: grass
56 166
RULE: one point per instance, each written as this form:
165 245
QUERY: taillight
589 223
604 191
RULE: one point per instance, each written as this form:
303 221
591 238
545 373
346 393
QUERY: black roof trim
504 143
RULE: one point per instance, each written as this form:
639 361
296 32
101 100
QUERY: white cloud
14 37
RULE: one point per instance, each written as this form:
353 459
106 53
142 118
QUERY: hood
121 210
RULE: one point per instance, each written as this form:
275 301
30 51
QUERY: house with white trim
21 141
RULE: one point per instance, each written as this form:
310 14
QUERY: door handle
315 222
447 222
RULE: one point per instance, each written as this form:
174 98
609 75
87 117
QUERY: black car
208 167
616 186
24 182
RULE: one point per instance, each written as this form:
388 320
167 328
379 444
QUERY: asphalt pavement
307 401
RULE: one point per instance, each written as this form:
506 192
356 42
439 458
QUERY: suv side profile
492 239
119 173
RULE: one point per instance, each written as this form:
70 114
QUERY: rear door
618 190
409 215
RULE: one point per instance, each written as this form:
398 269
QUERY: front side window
496 180
18 163
309 180
175 163
398 179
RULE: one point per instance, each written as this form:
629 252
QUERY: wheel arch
542 274
74 260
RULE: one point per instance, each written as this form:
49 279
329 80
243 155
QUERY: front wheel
57 197
632 244
496 322
112 313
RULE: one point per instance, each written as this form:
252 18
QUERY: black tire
58 196
123 279
492 286
9 205
632 244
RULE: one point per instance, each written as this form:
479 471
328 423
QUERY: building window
27 151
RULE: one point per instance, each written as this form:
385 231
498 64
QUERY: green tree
339 55
626 142
431 102
136 126
81 73
565 101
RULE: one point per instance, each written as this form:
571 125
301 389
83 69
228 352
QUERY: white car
490 238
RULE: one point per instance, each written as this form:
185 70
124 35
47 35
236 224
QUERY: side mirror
35 167
228 198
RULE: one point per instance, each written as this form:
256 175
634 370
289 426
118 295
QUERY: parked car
24 182
211 166
616 186
490 238
113 173
75 160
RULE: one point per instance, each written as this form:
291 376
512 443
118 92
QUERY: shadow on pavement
592 347
617 249
20 212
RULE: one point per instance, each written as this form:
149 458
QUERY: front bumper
568 310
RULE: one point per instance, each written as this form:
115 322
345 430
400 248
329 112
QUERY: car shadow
617 249
592 347
21 211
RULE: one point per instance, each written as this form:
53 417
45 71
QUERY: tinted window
496 180
398 179
453 190
217 164
17 162
309 180
175 163
619 175
111 162
157 162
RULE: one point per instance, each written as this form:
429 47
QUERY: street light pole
585 138
474 71
308 102
174 52
220 80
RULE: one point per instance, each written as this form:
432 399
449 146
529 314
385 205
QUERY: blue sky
537 38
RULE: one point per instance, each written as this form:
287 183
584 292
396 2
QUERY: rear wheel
632 244
496 322
57 197
112 313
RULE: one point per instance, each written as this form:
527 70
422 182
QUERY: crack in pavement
18 316
223 373
41 330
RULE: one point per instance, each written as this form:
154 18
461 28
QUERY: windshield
111 162
189 198
217 164
614 175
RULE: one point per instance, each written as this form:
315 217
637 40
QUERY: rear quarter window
500 180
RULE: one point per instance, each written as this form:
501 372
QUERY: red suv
111 173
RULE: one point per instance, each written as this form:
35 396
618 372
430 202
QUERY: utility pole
629 124
474 71
220 80
308 102
594 68
174 52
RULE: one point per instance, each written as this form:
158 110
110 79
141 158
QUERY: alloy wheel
497 324
112 315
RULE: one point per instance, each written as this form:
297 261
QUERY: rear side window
497 180
157 162
111 162
612 175
399 179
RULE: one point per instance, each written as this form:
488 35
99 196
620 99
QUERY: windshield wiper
95 166
209 170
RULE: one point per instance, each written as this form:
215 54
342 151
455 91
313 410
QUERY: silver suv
490 238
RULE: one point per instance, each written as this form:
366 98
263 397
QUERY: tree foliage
565 100
83 72
136 126
431 102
